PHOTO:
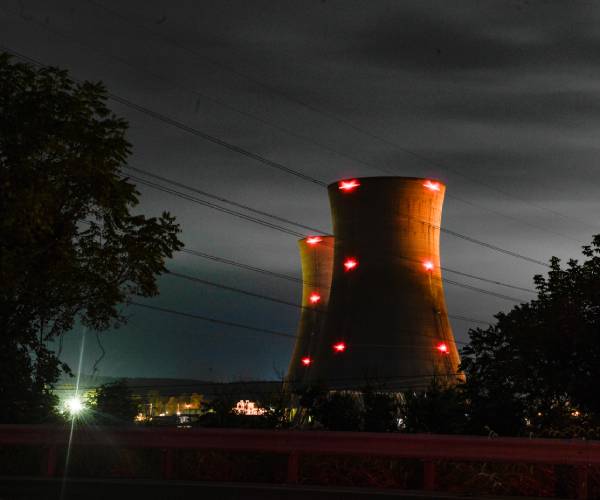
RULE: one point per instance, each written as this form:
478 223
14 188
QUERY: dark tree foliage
70 247
114 404
439 410
24 390
219 412
536 369
338 411
380 411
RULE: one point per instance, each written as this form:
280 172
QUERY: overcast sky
500 100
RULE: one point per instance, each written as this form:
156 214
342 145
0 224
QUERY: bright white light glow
74 405
350 264
348 186
434 186
314 298
428 265
443 348
313 240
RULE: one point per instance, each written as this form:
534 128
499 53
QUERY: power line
272 299
194 131
191 130
219 208
283 129
248 267
293 233
291 278
483 291
301 235
275 90
273 332
241 291
213 320
222 199
225 385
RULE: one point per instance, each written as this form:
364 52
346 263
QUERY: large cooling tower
387 321
316 255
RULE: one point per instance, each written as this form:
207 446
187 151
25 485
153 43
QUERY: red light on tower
350 264
443 348
314 298
306 361
428 265
313 240
339 347
348 186
433 186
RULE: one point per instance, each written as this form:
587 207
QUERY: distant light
443 348
74 406
434 186
306 361
339 347
428 265
314 298
350 264
348 186
313 240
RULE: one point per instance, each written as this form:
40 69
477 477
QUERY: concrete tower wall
316 255
390 309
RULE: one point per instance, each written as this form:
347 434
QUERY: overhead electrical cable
213 320
261 330
333 116
273 299
231 146
224 200
301 235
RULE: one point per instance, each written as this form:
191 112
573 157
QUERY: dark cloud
502 97
499 36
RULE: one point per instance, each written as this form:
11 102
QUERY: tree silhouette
535 369
70 247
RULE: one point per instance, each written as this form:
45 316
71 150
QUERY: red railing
427 448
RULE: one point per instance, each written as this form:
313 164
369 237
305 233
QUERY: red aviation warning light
313 240
314 298
306 361
443 348
350 264
433 186
348 186
339 347
428 265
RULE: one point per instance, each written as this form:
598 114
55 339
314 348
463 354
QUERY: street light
74 406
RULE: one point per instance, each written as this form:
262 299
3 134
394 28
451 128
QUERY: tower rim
371 178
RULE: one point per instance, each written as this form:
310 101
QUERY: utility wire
368 381
288 131
266 272
213 320
332 116
274 332
219 208
222 199
319 231
273 299
293 233
182 126
240 150
240 265
241 291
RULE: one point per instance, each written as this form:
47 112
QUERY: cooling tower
316 255
386 320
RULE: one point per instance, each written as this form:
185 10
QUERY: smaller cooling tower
316 255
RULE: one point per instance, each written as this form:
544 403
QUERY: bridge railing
430 450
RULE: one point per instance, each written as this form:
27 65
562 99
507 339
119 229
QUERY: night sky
500 100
